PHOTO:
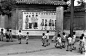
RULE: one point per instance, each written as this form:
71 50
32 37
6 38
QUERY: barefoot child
27 37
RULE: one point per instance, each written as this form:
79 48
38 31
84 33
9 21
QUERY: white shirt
43 37
70 40
74 37
64 36
47 35
59 39
27 36
30 20
19 34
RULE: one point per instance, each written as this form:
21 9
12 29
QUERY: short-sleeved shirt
19 34
74 37
59 39
47 35
27 36
43 37
64 36
70 40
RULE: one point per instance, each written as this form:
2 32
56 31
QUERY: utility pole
72 17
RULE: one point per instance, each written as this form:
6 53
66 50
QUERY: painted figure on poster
26 22
42 24
33 21
36 22
30 22
45 24
50 24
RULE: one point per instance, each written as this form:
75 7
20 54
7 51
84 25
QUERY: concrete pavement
34 48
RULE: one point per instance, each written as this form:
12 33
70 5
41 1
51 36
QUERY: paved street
34 48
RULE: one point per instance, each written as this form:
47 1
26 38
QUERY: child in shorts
47 38
64 39
69 43
44 40
2 34
27 37
74 40
58 41
10 33
19 36
82 43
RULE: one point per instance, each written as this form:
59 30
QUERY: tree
6 8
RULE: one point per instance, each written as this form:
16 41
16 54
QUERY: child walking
69 43
47 38
82 44
74 40
59 41
10 33
7 35
64 39
19 36
44 40
2 34
27 37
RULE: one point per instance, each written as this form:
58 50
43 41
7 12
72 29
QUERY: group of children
20 37
8 35
45 39
63 40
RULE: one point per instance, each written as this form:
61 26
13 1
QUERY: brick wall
79 20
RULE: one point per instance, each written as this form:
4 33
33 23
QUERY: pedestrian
19 36
47 38
74 40
45 24
2 35
44 40
82 43
64 39
69 43
7 35
59 41
27 37
10 32
54 37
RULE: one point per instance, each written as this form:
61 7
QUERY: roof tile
42 2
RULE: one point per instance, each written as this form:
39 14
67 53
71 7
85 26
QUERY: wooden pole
72 17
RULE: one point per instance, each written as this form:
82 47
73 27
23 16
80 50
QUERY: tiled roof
51 2
78 9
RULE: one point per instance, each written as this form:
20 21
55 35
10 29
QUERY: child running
27 37
44 40
69 43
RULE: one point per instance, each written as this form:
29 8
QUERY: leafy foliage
6 6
